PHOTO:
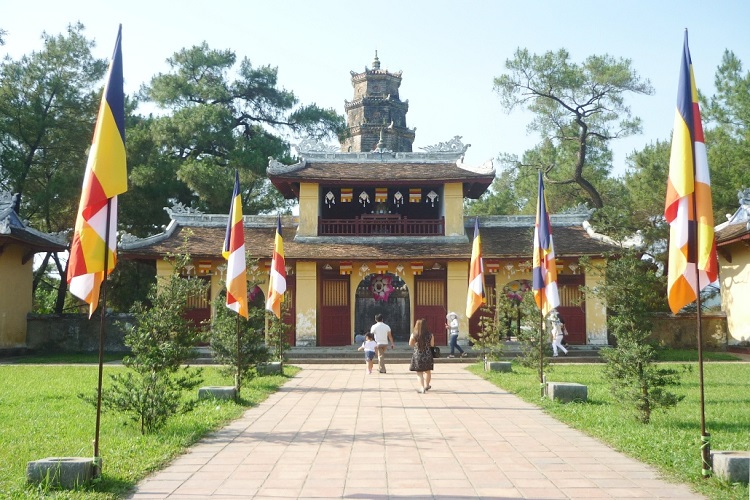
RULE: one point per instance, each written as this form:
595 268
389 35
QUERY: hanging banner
415 195
346 195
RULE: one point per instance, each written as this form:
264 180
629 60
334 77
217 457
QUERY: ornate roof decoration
7 200
452 146
178 208
275 167
581 208
742 215
311 145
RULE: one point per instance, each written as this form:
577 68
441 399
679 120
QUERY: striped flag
688 208
106 176
475 294
545 268
277 280
234 252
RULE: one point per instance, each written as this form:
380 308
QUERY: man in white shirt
383 337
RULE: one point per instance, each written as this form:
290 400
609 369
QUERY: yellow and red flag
475 294
277 279
688 208
544 270
234 252
106 176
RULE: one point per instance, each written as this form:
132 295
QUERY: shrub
161 341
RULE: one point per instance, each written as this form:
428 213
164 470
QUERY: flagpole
239 357
102 330
706 465
541 347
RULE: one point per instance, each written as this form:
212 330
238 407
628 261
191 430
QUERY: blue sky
449 52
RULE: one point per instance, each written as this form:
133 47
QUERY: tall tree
728 139
215 122
48 104
578 109
500 199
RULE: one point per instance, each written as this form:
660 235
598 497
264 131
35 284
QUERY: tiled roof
732 233
345 169
377 172
497 242
12 228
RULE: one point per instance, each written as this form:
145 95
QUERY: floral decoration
515 290
381 287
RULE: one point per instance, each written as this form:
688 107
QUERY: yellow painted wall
596 309
734 278
457 287
15 296
307 303
453 203
308 209
163 268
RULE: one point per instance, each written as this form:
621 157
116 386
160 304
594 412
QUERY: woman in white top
452 326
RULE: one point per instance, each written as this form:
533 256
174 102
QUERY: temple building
381 229
19 243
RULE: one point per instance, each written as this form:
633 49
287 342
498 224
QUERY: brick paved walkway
335 432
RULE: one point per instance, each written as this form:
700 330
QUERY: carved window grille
431 293
335 293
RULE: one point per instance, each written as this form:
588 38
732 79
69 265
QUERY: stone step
402 354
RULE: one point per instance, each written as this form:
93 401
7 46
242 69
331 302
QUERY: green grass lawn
41 416
671 441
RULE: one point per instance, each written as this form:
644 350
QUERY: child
369 346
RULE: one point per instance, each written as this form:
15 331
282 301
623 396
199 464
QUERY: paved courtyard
336 432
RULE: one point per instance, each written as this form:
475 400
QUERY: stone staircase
402 354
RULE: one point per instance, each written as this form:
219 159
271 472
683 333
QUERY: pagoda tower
376 117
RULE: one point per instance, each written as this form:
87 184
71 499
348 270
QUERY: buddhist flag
234 252
277 279
105 178
545 268
475 295
688 208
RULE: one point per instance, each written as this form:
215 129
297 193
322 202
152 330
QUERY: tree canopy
48 104
577 108
212 122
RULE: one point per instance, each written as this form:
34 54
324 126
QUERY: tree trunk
60 302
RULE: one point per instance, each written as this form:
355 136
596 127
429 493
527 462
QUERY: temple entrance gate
384 294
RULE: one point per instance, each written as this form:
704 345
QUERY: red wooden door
572 307
334 321
430 303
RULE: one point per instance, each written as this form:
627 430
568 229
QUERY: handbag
435 352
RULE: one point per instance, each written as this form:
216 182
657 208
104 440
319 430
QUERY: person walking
452 326
558 331
369 346
383 337
421 360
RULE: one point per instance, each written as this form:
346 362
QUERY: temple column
307 302
596 309
457 286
